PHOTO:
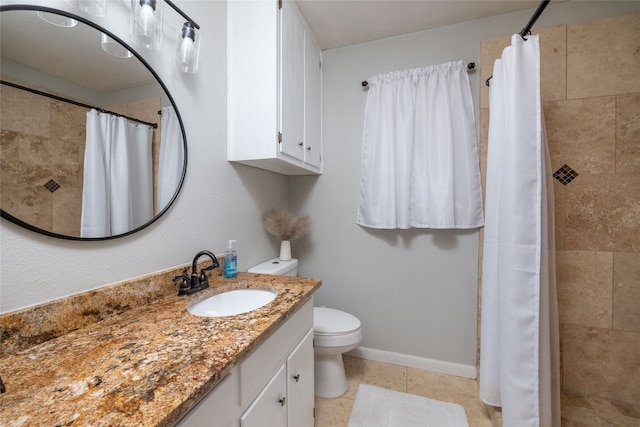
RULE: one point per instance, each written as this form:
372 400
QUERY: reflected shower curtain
171 160
519 351
117 193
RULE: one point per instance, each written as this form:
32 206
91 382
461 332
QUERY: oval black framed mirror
63 98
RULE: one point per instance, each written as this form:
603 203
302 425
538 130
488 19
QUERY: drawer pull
296 377
283 400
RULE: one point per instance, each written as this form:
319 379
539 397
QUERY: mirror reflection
92 146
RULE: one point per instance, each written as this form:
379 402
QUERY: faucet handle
184 283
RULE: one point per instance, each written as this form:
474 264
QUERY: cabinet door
312 103
300 386
219 408
292 59
270 407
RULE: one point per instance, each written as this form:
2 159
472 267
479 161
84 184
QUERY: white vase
285 250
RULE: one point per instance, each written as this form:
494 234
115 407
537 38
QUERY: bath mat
379 407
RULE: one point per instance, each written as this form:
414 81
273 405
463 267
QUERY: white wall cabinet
274 88
273 386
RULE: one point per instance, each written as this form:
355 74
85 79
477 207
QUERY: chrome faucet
197 282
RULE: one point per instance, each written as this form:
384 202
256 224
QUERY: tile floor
576 411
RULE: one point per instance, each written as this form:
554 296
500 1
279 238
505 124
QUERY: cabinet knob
309 148
283 400
300 143
296 377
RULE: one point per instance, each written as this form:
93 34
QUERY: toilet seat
332 322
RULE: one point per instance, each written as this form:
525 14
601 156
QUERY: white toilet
335 332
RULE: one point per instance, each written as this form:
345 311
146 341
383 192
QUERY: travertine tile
584 283
490 50
68 120
448 388
333 412
581 134
559 203
147 110
626 291
24 112
9 172
32 204
34 154
602 57
553 63
628 133
602 213
603 363
67 211
392 377
576 411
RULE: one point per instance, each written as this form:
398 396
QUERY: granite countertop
145 367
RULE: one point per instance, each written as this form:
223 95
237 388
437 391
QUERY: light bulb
147 20
187 50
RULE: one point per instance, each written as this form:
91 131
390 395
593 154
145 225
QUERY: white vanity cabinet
274 88
273 386
219 408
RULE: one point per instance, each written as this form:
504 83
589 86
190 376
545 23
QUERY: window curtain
171 158
420 164
117 194
519 353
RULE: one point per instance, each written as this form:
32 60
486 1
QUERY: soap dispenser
230 261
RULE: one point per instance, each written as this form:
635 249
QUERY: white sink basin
232 302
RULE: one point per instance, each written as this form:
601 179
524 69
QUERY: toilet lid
332 322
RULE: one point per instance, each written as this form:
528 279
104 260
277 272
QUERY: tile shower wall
42 156
591 100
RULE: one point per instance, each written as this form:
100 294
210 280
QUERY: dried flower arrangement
284 226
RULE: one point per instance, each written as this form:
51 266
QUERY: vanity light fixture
146 29
146 23
59 20
92 7
188 50
188 45
112 47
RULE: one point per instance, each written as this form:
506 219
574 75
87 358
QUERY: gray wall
415 291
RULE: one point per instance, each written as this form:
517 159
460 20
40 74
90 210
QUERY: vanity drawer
260 366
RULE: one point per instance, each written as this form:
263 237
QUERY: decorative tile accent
565 174
51 185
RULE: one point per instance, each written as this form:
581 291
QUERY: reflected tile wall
594 127
42 140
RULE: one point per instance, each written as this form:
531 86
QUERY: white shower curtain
519 347
420 163
171 160
117 194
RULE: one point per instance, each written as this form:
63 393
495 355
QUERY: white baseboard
449 368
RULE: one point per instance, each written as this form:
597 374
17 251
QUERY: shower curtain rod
470 66
527 29
79 104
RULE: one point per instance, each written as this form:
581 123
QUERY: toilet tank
277 267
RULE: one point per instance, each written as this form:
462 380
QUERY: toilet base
330 378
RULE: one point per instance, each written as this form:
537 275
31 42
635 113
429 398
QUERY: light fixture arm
184 15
